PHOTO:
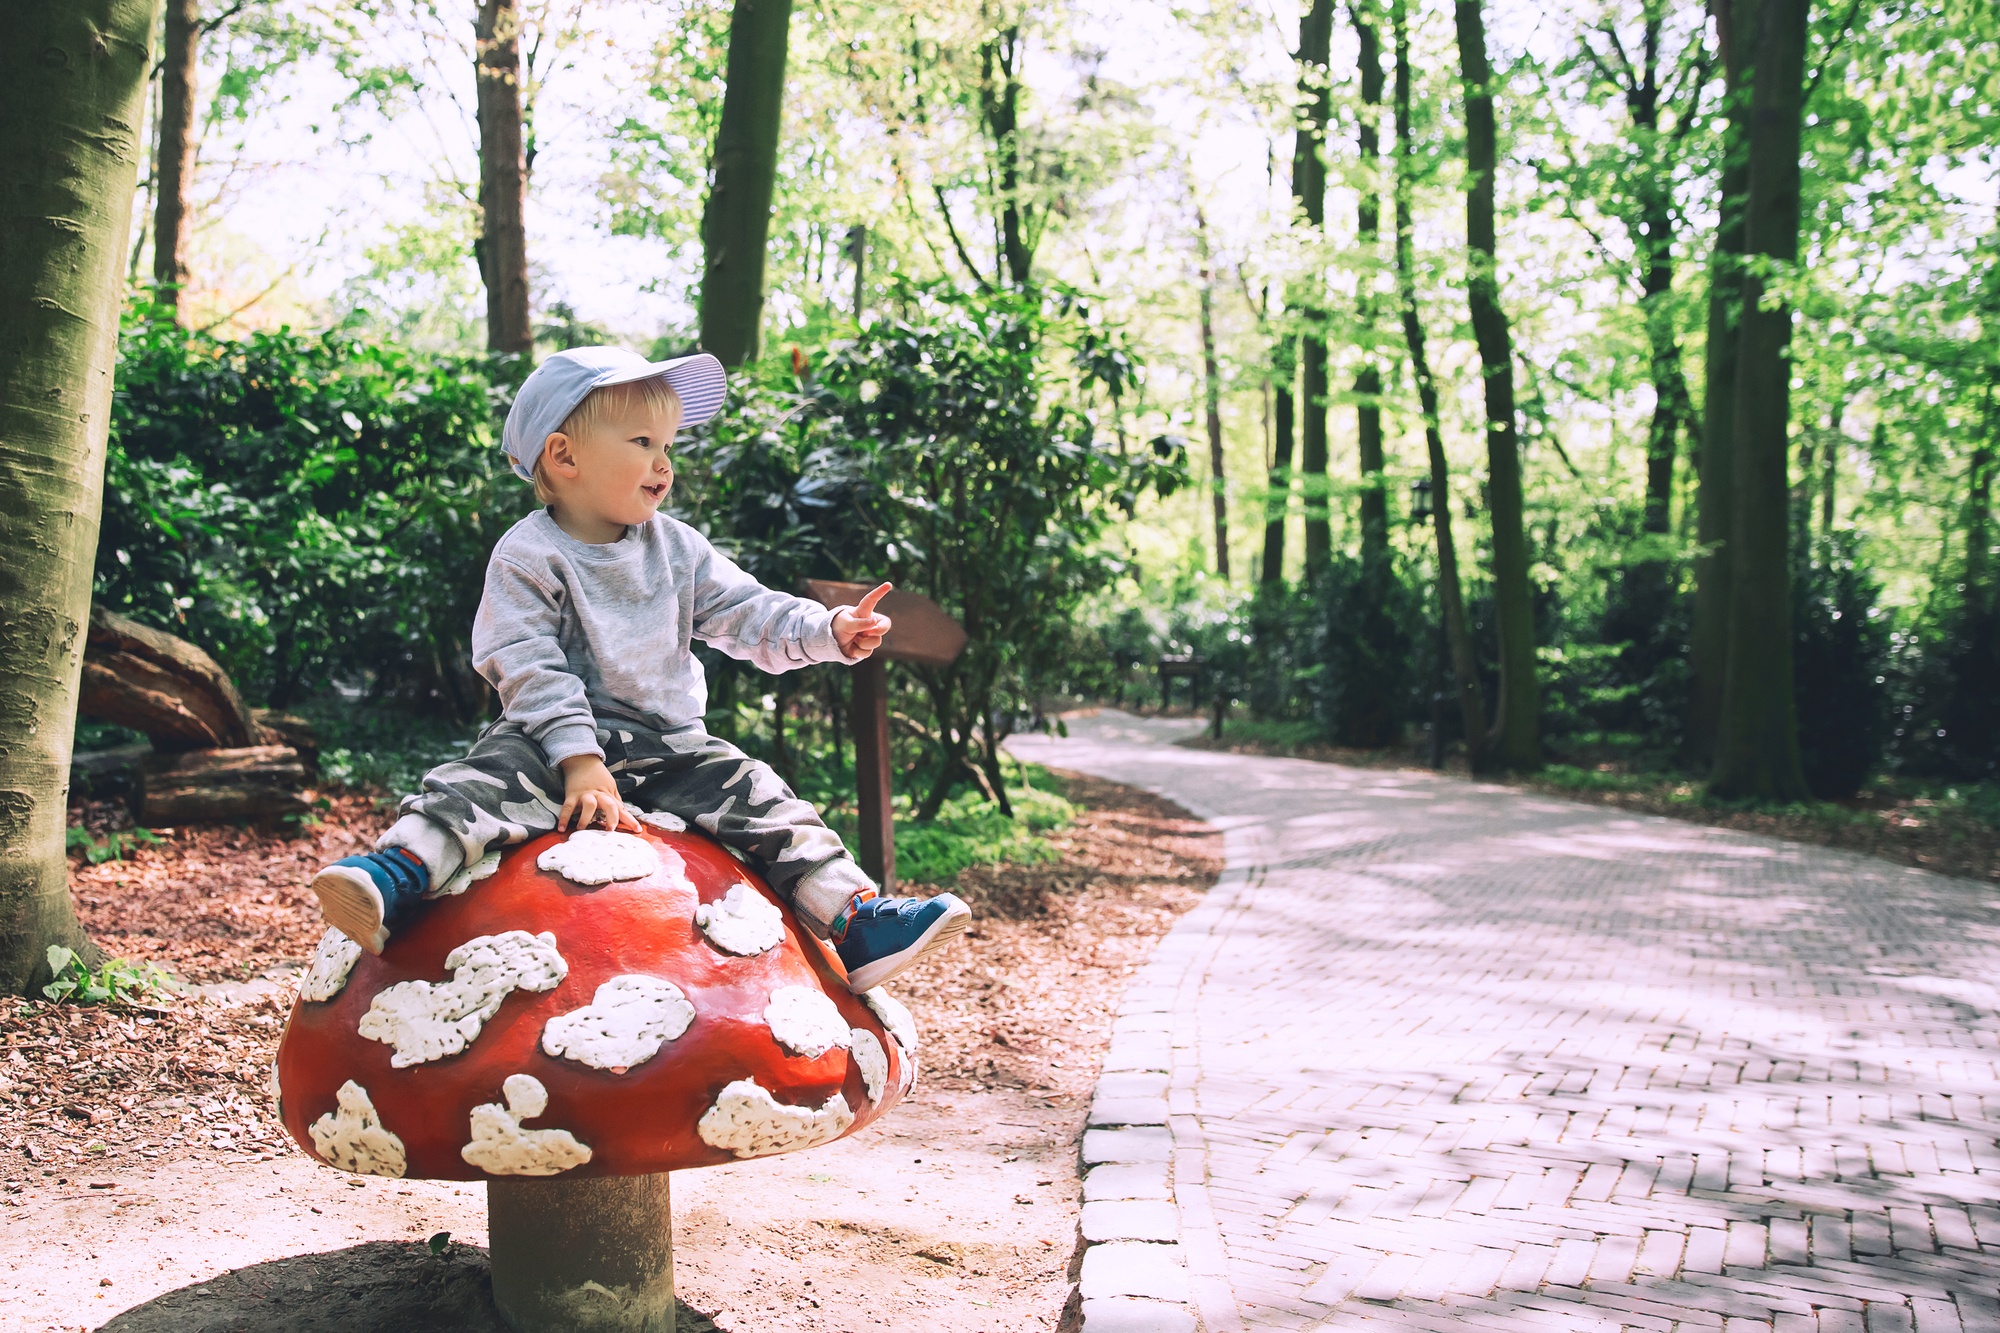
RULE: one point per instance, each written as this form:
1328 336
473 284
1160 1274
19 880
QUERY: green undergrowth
113 981
366 745
970 831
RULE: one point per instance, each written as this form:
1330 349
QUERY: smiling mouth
657 492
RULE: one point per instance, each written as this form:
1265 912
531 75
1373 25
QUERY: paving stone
1117 1181
1127 1314
1130 1219
1440 1055
1126 1145
1131 1268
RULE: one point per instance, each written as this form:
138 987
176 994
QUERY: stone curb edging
1152 1255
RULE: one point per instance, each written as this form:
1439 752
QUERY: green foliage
308 509
970 830
115 981
114 845
1840 649
1369 619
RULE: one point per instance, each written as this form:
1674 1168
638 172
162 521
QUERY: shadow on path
380 1287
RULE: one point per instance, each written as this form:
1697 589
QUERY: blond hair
655 395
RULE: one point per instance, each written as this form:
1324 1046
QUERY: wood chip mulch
1026 1002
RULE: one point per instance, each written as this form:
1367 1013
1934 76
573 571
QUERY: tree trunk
174 157
737 218
1516 740
72 89
1757 743
1000 107
1451 601
1708 640
1368 217
1654 244
503 179
1284 366
1212 386
1309 186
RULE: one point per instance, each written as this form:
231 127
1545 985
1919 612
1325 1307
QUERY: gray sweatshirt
568 630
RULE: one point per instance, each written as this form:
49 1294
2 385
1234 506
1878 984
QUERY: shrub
308 509
1840 643
1365 640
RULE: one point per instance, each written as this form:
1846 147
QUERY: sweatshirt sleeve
514 646
773 631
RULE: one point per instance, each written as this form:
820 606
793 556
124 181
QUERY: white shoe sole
942 932
352 905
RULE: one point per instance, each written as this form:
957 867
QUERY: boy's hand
859 629
590 795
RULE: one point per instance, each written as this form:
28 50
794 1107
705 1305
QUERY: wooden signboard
922 632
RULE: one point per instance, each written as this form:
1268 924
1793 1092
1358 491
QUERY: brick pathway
1439 1055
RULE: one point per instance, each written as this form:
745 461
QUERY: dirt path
146 1187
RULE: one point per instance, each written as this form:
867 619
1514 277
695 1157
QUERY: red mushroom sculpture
600 1009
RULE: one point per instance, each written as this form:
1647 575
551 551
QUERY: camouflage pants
505 792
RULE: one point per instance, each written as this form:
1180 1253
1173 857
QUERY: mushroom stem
582 1254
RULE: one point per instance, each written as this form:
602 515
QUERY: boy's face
617 472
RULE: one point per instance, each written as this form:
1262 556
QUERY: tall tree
1212 394
1309 185
1368 219
503 177
1708 640
737 219
1757 741
1516 740
173 158
1000 110
1284 374
1451 600
72 93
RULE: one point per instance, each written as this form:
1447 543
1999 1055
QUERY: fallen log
260 782
148 680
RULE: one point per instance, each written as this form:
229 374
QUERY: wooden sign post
922 632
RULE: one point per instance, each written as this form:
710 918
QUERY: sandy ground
960 1214
144 1186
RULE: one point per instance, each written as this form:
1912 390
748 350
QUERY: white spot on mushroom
749 1122
871 1060
353 1139
895 1016
500 1147
663 821
599 856
466 876
625 1024
909 1073
743 921
326 976
428 1022
804 1021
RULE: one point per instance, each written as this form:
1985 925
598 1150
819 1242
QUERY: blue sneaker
364 897
888 936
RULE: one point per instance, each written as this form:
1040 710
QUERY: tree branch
952 230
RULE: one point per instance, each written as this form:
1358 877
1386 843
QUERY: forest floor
1922 828
144 1171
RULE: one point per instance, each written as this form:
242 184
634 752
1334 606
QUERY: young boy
590 611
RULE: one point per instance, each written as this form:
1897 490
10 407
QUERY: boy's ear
558 453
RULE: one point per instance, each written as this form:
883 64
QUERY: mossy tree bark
1368 225
1516 735
173 157
1451 600
1309 185
1757 741
503 178
1708 640
72 89
737 218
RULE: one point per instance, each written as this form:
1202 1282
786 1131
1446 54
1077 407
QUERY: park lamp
1421 507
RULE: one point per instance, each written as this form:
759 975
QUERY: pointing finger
866 607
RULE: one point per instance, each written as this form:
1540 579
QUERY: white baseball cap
550 394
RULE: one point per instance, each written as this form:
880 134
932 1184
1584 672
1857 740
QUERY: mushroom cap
539 1024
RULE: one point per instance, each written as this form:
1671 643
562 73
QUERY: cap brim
699 381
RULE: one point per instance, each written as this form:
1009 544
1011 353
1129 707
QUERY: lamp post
1423 510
